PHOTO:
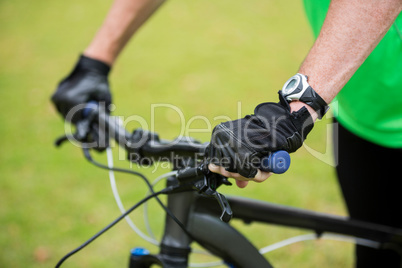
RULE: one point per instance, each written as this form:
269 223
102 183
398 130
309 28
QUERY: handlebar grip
277 162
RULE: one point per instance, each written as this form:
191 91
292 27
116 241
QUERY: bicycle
196 211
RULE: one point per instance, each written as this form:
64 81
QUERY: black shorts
370 177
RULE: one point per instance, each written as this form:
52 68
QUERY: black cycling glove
87 82
239 145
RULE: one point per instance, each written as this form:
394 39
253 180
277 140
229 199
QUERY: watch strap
312 99
307 95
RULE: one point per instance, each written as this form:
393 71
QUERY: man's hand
241 181
237 147
87 82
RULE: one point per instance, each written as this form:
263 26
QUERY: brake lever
82 130
212 184
60 140
227 212
82 127
205 182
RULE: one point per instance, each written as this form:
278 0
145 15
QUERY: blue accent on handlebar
229 265
90 106
139 251
277 162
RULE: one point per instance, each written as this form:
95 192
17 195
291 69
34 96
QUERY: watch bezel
304 92
296 92
286 90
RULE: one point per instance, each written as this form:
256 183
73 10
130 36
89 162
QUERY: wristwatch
297 88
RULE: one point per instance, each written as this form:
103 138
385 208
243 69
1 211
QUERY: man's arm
124 18
352 29
88 81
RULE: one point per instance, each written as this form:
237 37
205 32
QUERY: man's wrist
298 93
89 63
320 82
100 54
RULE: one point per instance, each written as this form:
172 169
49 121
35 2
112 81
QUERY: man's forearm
352 29
123 20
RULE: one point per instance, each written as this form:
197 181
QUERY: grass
204 58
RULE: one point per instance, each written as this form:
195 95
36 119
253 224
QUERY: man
369 106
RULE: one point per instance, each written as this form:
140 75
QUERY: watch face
291 85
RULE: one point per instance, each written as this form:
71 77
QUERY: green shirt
370 104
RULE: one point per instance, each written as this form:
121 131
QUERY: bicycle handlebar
143 144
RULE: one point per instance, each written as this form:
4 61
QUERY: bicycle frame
200 215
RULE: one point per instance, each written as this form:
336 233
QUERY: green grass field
207 58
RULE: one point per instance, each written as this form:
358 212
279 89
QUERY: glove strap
301 119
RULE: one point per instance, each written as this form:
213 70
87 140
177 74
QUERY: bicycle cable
119 203
110 225
167 210
264 250
150 237
146 218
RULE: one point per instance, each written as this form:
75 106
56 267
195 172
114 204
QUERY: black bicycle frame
200 215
